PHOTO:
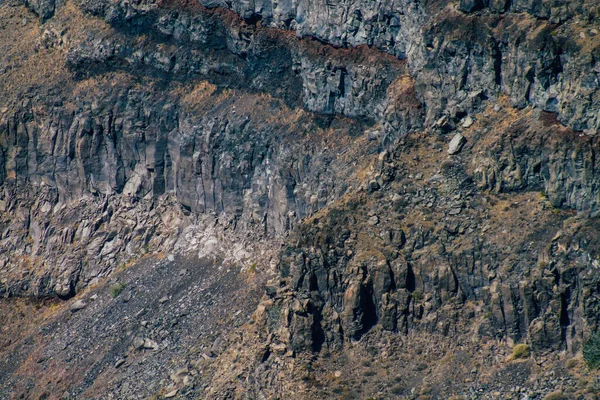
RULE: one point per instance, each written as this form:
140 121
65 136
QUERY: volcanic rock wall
248 144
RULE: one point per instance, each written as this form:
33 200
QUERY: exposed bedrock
400 167
130 169
437 258
139 142
90 167
533 51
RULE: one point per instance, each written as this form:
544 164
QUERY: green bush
116 289
591 351
520 351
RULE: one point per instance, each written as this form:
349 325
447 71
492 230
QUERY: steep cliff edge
405 173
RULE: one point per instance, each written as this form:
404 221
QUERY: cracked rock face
400 170
127 170
118 149
521 49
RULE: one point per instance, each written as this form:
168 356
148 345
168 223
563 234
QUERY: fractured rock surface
416 180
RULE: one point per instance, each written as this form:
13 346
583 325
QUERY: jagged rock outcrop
86 188
313 138
429 257
131 143
458 59
558 162
209 152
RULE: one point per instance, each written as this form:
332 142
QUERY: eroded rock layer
417 179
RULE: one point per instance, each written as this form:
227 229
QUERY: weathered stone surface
212 129
78 305
456 144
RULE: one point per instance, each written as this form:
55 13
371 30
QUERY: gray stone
78 305
456 144
373 185
467 122
138 343
150 344
126 296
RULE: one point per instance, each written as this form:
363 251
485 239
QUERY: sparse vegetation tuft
591 351
520 351
572 363
555 396
116 289
252 268
398 389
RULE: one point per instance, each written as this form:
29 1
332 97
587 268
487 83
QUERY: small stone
373 135
373 185
337 374
150 344
171 394
456 144
374 220
179 375
557 236
443 121
119 363
271 289
46 207
171 257
278 348
138 343
455 211
163 300
78 305
126 297
467 122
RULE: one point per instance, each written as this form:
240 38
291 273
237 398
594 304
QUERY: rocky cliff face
311 139
370 262
205 146
430 252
